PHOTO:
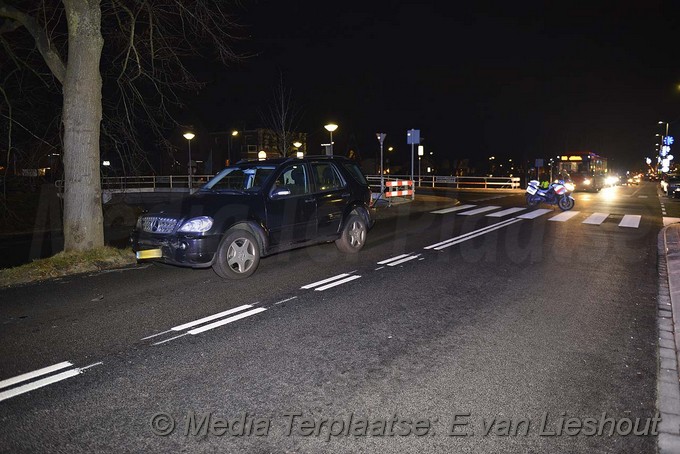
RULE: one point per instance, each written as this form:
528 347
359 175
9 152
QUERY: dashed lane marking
336 283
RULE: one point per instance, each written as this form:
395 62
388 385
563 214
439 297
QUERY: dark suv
257 208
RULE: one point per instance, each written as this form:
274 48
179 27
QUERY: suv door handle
310 200
346 194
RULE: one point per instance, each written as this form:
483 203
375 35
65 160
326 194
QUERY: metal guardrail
451 181
147 182
181 182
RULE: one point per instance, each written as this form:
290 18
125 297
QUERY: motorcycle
558 193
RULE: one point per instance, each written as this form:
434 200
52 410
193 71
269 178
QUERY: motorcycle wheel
565 203
531 201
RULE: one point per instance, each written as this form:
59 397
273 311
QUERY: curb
668 315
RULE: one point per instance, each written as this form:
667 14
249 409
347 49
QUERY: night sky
509 79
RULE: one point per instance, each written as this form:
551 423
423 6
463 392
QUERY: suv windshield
248 179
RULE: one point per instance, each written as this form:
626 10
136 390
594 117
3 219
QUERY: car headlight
586 181
570 187
197 225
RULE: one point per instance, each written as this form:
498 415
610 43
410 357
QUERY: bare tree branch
49 53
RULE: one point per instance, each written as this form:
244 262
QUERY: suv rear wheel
238 255
353 235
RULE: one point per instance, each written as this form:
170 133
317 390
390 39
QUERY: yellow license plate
150 254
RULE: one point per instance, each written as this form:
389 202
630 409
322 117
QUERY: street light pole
330 128
231 137
189 136
381 139
421 152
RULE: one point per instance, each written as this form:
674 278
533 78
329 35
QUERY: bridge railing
447 181
147 182
181 182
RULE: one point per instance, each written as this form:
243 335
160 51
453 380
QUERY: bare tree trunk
83 220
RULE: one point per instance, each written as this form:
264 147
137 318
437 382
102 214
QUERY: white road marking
642 196
339 276
500 225
333 284
452 209
393 258
432 246
210 317
168 340
596 218
379 268
35 373
91 365
287 299
38 384
226 321
534 214
564 216
156 335
667 221
399 262
630 220
479 210
500 214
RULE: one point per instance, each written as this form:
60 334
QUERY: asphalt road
508 320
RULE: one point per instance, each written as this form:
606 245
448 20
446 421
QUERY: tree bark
82 115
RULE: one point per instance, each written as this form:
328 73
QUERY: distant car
613 180
634 179
673 187
257 208
588 182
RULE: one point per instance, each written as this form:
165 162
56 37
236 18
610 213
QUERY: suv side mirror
280 192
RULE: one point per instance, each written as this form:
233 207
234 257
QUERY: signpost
413 138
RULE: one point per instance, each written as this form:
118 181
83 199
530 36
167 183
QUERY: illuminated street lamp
189 136
261 155
297 146
330 128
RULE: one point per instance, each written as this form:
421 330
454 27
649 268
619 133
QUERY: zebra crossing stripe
630 220
500 214
452 209
479 210
534 214
565 216
596 218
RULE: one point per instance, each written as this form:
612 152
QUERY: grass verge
67 263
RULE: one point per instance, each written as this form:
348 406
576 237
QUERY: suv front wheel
238 255
353 235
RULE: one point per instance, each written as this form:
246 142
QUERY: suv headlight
197 225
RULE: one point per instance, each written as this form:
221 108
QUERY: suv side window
327 176
294 178
356 172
